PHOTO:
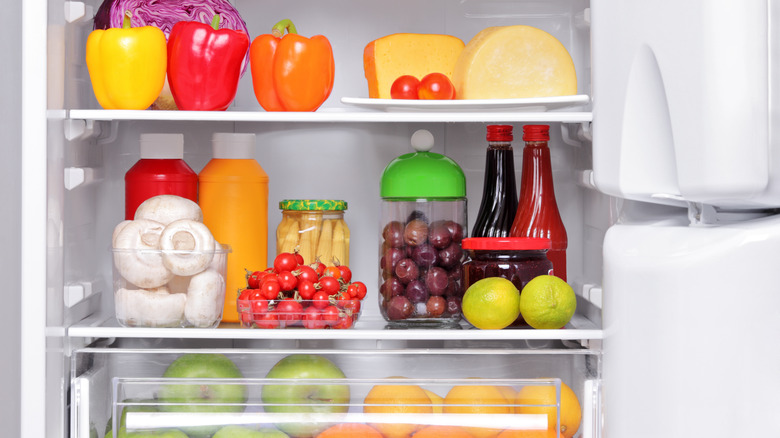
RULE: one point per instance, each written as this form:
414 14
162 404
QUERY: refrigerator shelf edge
335 115
579 328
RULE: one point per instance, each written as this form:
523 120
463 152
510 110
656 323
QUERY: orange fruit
350 430
571 412
442 432
510 433
397 399
436 401
509 393
477 399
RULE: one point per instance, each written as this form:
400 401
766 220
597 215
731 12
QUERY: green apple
122 433
191 398
287 398
245 432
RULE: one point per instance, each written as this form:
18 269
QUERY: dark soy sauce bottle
499 195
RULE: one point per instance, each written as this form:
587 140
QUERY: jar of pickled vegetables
316 229
422 224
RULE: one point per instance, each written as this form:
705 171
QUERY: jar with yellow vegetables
316 229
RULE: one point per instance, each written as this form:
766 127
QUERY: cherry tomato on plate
405 87
436 86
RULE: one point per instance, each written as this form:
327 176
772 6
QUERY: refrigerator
666 175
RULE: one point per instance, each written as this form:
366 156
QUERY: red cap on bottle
536 132
499 133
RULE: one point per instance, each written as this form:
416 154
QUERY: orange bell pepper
291 72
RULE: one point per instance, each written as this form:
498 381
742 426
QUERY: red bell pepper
291 72
204 64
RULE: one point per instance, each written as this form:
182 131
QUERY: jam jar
422 223
518 259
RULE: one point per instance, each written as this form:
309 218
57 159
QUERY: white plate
525 104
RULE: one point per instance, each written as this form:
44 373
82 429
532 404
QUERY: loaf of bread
514 62
387 58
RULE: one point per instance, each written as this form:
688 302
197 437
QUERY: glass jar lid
313 204
423 174
507 243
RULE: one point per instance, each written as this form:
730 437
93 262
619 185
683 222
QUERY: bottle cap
507 243
501 133
423 174
536 132
313 205
162 146
232 145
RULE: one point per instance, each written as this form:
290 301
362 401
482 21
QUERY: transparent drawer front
333 394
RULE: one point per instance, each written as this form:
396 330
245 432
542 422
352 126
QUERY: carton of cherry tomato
293 294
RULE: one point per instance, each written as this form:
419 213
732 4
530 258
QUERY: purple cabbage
165 13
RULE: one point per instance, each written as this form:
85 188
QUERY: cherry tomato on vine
266 320
254 279
244 295
436 86
289 310
358 290
332 271
306 289
306 272
320 299
312 318
259 305
405 87
346 273
329 285
287 281
298 257
330 314
270 289
285 262
351 305
344 322
319 268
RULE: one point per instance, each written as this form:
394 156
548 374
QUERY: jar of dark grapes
422 225
518 259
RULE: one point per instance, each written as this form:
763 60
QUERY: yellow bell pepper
127 66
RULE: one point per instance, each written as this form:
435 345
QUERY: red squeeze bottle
537 211
160 171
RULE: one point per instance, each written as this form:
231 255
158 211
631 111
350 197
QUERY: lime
547 302
491 303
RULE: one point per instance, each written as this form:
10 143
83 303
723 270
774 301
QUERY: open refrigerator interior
719 192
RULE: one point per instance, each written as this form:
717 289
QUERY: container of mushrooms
169 271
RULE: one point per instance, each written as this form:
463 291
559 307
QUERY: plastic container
234 199
518 259
316 229
422 223
180 301
309 314
499 193
160 171
537 210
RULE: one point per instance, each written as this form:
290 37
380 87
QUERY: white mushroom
137 257
179 284
168 208
149 308
117 229
205 299
188 247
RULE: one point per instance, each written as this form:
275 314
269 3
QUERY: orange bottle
233 194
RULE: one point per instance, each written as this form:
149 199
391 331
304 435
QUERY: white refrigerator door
691 329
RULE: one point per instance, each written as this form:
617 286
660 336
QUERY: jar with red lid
518 259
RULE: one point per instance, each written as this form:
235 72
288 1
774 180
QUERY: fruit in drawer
442 432
291 397
233 431
514 62
477 399
397 399
223 397
350 430
541 399
531 433
387 58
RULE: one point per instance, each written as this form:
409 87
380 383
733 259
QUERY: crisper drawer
392 393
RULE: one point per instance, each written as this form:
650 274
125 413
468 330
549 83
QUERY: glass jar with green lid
422 223
315 228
